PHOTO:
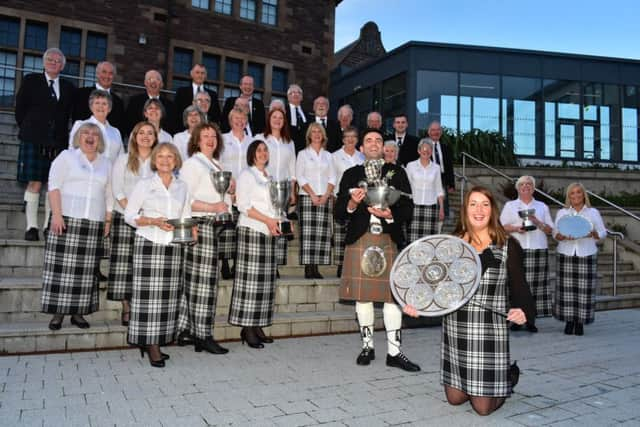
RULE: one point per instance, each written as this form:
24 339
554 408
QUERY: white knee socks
31 208
364 313
392 323
47 211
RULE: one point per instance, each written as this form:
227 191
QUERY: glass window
178 83
9 31
230 92
605 134
89 75
519 98
70 41
436 99
567 140
211 87
362 104
35 36
248 9
182 61
483 93
257 72
96 47
212 64
232 70
200 4
223 6
589 141
269 12
32 63
72 68
279 79
7 78
550 129
630 134
394 97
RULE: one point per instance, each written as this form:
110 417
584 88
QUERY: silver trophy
182 230
381 196
527 223
280 193
221 181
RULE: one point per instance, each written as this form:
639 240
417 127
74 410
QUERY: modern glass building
553 107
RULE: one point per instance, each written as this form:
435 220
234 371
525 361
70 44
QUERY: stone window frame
235 13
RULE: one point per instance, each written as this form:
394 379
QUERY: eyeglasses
53 60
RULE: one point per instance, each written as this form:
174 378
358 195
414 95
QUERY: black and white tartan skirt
315 231
282 246
576 283
536 269
227 238
424 222
157 283
120 259
253 296
69 278
339 234
200 290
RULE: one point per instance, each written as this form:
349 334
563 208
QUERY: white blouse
587 245
181 141
315 169
282 158
152 199
195 173
164 137
112 138
84 185
253 192
123 180
534 239
426 183
343 161
234 154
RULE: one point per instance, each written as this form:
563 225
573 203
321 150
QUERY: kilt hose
157 283
120 259
356 285
253 296
575 298
33 164
536 270
339 234
227 237
475 341
200 288
424 222
69 283
315 232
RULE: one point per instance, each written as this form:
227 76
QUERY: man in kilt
379 230
43 106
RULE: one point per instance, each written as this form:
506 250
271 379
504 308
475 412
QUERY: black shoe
532 328
261 335
209 345
56 323
155 363
514 374
308 272
249 335
579 329
401 361
316 272
79 322
31 235
339 271
568 329
225 270
515 327
366 356
184 338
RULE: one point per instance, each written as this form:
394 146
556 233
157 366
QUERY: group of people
168 290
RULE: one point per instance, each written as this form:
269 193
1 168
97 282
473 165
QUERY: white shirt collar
102 88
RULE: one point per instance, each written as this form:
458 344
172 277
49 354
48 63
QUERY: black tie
399 142
324 123
246 132
52 90
299 120
435 155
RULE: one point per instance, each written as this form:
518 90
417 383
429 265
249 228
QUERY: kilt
227 237
423 223
339 234
356 285
576 289
157 282
253 296
536 269
475 341
70 285
200 290
121 259
32 164
315 232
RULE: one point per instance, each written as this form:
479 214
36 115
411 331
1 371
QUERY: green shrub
489 147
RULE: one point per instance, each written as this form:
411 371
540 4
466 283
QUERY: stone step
622 287
9 146
8 164
618 302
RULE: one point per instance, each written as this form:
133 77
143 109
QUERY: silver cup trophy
221 181
280 193
527 223
381 196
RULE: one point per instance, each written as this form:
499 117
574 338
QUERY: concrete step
622 287
9 146
609 302
8 164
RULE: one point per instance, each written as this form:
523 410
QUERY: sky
567 26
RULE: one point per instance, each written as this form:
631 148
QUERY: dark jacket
257 119
81 111
408 152
448 177
135 114
184 98
334 140
299 131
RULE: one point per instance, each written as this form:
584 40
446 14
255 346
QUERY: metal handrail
615 236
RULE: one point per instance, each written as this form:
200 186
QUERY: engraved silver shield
373 262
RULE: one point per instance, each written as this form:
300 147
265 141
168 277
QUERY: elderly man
331 127
374 120
296 117
257 115
186 95
43 107
345 117
105 73
153 84
407 144
443 157
371 227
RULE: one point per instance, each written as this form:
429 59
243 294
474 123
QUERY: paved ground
566 380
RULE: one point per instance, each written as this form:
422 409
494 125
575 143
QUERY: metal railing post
616 235
463 182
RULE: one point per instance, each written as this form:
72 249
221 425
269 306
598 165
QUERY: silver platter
575 226
436 274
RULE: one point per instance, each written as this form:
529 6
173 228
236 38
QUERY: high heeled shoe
262 337
155 363
248 334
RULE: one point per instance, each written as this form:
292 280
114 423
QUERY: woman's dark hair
285 133
194 141
496 231
253 149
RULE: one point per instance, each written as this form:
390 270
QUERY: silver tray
575 226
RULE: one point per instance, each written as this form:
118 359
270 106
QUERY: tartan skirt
282 245
253 296
157 283
227 237
69 281
200 290
339 234
576 282
315 232
423 223
120 259
33 165
356 285
536 270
